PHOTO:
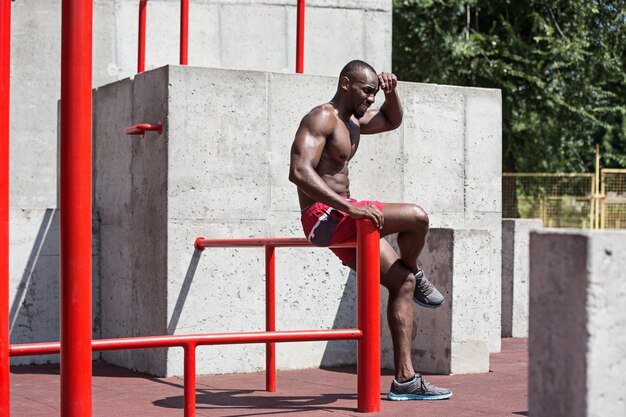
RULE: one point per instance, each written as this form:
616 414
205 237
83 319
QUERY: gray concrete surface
34 280
515 266
454 338
220 170
577 334
239 34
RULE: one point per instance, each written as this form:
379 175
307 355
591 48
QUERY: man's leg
410 222
400 282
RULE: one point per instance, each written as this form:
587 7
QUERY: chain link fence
567 200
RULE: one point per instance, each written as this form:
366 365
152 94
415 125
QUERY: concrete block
577 329
35 87
515 264
220 170
200 184
256 32
455 337
483 136
433 131
492 222
34 279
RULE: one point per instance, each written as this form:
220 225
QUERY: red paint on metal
5 85
145 342
141 48
190 380
300 38
270 318
142 128
76 118
368 275
280 242
184 31
368 262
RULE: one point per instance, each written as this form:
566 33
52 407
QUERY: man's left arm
389 115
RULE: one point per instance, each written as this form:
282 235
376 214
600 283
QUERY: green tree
559 63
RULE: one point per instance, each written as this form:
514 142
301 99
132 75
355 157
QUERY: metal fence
567 200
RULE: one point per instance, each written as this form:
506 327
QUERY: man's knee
418 216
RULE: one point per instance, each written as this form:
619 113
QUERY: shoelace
425 285
427 387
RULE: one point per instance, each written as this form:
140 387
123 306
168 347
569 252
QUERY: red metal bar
5 85
285 242
142 128
184 31
141 48
145 342
300 38
270 318
76 67
190 380
368 302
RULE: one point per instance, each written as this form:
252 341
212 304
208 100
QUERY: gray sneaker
425 293
417 389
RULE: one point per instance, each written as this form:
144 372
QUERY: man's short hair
354 67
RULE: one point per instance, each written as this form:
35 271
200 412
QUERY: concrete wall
220 170
240 34
515 265
577 324
454 338
34 278
245 34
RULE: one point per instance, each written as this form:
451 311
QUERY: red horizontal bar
285 242
144 342
142 128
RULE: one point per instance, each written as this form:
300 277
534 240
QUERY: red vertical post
184 31
270 317
190 380
75 191
141 37
5 84
368 275
300 39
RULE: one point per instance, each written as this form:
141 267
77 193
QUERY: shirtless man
325 142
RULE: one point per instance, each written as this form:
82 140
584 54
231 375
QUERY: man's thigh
400 217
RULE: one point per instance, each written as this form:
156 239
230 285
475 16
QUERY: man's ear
344 82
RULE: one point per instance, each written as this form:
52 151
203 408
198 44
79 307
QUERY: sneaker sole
406 397
418 302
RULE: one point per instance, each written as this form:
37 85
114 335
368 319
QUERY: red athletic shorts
325 226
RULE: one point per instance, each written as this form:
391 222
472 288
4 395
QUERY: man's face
364 87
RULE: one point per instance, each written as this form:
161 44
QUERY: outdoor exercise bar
75 205
5 84
367 333
300 38
141 37
184 35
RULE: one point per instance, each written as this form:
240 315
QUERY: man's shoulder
322 117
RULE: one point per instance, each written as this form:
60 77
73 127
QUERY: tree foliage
559 63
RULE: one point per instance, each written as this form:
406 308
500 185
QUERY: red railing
300 38
184 35
75 205
5 83
367 333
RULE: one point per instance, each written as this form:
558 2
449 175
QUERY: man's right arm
306 152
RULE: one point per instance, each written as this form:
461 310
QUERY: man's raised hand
387 82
